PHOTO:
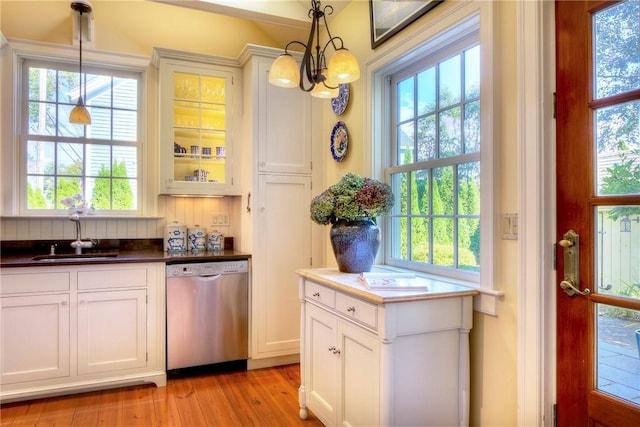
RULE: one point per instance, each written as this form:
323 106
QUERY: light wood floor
262 397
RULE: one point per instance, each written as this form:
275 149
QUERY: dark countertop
21 253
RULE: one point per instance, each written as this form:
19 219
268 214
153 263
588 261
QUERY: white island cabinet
383 358
65 329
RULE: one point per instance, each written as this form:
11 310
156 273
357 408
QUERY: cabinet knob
63 303
334 350
351 309
316 294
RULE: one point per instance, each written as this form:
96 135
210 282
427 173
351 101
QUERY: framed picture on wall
388 17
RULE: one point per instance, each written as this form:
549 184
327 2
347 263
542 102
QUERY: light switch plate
509 226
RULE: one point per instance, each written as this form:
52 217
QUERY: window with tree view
97 163
435 170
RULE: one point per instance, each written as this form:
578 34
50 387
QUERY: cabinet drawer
357 309
320 294
34 282
114 278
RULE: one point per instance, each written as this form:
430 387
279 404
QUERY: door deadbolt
570 244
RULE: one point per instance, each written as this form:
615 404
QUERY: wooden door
598 196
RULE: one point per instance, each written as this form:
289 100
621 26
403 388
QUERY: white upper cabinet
283 126
199 98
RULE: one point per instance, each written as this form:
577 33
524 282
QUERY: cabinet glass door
199 128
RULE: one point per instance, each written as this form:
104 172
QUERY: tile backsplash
218 213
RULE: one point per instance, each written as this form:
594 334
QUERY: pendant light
313 75
80 115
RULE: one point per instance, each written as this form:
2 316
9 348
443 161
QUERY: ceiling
282 20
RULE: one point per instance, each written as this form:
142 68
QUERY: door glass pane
618 250
618 149
618 274
618 351
617 49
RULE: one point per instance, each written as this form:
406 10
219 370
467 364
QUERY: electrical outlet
220 219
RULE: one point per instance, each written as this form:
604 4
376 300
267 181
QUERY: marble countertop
428 287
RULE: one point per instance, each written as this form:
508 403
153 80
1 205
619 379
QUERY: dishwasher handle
209 277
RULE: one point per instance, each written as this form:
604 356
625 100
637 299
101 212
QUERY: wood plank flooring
261 397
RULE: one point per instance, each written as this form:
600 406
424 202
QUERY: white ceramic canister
197 238
175 238
215 241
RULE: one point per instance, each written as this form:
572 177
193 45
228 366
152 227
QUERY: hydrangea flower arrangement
352 198
76 204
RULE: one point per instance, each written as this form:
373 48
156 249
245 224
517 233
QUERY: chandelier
313 74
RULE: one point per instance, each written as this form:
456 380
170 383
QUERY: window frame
14 174
25 65
460 20
456 48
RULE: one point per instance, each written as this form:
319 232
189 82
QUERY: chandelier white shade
312 74
343 67
284 72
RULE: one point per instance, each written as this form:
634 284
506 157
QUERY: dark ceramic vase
355 244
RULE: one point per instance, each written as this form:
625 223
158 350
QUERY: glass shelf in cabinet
182 156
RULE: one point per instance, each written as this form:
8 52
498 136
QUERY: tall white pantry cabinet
280 158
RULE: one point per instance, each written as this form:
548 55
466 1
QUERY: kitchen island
384 356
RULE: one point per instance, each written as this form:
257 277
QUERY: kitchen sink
73 257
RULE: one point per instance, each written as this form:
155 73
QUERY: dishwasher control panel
207 268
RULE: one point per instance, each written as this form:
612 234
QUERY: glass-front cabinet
197 98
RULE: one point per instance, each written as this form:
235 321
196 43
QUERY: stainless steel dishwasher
207 313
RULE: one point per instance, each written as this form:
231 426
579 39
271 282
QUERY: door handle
570 244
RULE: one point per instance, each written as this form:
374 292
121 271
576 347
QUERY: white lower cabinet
344 371
76 328
283 220
369 360
35 337
112 329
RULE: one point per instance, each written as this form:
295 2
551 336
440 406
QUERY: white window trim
12 175
460 19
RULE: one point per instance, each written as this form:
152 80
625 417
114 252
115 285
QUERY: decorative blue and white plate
340 102
339 141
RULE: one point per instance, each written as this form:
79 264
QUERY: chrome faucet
78 244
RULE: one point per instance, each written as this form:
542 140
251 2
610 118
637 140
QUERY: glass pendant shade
343 67
320 90
284 72
325 89
80 115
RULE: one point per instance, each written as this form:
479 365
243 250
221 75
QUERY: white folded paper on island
394 281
